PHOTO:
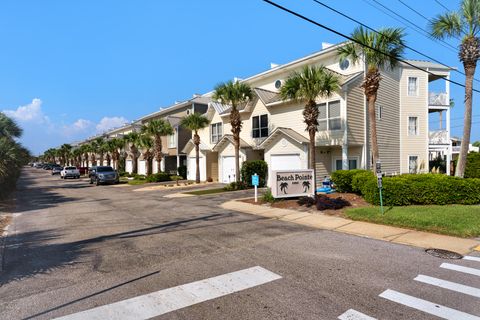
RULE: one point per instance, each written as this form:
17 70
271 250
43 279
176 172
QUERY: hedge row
409 189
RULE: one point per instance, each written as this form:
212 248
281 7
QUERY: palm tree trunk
310 115
467 122
373 128
196 141
158 152
236 124
134 160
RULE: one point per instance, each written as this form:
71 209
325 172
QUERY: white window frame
327 112
335 159
260 126
416 87
172 139
214 138
408 162
417 132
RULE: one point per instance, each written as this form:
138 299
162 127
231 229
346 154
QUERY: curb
386 233
3 243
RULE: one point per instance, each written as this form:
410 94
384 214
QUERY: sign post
378 169
255 182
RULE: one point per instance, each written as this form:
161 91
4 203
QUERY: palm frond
446 25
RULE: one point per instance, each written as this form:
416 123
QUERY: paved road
73 247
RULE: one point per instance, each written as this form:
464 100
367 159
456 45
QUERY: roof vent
196 95
326 45
236 79
273 65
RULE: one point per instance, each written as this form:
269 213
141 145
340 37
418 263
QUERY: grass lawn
132 182
206 191
454 220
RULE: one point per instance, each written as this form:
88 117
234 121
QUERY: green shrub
236 186
182 171
472 169
268 196
360 180
249 168
343 179
158 177
139 176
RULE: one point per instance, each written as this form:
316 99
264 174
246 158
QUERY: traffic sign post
255 182
378 169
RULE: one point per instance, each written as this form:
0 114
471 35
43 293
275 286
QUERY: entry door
142 167
228 169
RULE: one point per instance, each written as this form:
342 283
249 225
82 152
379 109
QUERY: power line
358 42
442 5
372 29
418 28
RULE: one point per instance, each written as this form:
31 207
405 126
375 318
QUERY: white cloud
31 112
82 124
108 123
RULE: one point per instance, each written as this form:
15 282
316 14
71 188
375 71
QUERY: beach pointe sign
292 183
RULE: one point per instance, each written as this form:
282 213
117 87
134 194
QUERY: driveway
73 247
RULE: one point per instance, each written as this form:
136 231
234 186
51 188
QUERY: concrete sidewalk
364 229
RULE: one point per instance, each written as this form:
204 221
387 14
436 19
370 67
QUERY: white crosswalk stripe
168 300
354 315
449 285
463 269
427 306
471 258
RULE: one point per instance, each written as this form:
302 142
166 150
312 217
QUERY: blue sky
70 69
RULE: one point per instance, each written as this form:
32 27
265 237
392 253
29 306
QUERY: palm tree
306 186
307 86
107 149
378 51
77 156
85 149
158 128
131 139
9 128
100 148
195 122
284 187
466 24
65 151
114 145
234 94
146 142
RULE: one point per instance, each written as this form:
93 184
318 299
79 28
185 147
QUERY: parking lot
88 252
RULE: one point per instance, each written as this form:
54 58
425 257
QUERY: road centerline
160 302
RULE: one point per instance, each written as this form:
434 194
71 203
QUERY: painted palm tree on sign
131 139
158 128
378 51
146 142
234 94
195 122
465 24
307 86
306 186
284 187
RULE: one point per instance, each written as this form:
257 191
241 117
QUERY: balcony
438 137
438 99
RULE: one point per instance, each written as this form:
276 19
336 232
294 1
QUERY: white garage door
142 167
192 168
128 166
285 162
228 169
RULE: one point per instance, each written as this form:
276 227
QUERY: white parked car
70 172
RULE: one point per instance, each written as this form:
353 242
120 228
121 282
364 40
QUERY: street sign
255 180
379 182
378 167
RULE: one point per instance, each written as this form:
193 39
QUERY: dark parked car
103 175
56 170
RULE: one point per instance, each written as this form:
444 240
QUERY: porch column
345 157
162 164
447 127
178 162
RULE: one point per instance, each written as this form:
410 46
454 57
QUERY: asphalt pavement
87 252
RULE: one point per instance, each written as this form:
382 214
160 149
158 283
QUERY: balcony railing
438 99
438 137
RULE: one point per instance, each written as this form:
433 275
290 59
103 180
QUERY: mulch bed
355 202
4 221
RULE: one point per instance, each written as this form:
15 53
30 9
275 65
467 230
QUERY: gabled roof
223 109
190 145
174 121
266 96
180 105
228 138
427 64
285 132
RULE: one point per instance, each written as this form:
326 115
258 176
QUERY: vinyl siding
414 106
388 128
356 112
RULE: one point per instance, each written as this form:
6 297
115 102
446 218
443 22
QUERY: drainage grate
444 254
